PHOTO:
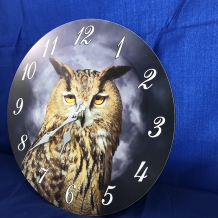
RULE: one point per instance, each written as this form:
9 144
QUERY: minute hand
72 118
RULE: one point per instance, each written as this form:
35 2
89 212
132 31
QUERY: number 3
158 121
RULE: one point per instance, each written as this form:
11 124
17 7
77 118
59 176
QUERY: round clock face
91 117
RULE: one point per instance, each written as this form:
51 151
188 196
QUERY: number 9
19 105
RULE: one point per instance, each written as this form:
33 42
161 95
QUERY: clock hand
67 138
67 135
72 118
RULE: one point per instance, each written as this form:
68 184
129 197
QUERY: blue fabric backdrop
184 34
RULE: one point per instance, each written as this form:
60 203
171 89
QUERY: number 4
143 176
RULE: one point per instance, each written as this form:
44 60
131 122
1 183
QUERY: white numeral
42 169
89 30
110 195
69 193
148 77
143 176
158 121
47 44
19 105
27 70
23 140
120 45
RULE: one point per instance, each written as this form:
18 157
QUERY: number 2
148 77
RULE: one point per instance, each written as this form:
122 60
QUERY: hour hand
43 140
72 118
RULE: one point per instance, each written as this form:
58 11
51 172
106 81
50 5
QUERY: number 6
68 192
111 196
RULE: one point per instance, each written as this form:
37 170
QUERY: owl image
70 161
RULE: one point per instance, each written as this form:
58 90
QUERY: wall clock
91 117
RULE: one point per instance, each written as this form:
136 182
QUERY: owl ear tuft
61 69
115 72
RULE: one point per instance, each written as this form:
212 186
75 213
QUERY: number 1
120 45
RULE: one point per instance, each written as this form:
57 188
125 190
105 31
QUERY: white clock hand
67 138
72 118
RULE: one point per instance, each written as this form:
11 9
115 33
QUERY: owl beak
81 118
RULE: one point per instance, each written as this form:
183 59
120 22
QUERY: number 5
110 195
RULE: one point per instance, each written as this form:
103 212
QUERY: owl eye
98 99
69 98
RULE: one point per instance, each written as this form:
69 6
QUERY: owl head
97 90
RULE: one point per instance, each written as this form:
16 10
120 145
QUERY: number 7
45 171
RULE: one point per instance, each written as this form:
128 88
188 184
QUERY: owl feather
77 179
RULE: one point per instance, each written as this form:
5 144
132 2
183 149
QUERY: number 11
47 44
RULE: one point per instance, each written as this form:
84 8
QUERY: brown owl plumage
86 160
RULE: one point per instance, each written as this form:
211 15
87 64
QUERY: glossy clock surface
143 110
